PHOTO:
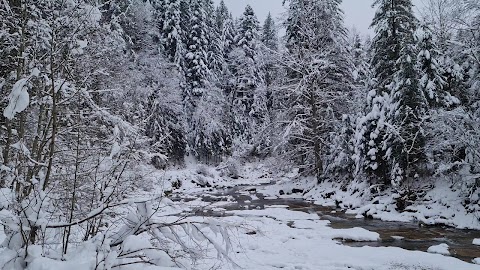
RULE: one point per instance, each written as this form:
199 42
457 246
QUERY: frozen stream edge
280 238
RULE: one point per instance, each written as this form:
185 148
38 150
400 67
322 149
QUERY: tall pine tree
196 57
432 80
246 97
214 53
270 41
172 32
319 80
391 135
269 33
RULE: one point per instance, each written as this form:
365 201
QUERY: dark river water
410 236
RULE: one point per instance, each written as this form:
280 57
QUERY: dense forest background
91 90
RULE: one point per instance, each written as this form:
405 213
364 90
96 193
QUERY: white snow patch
354 234
276 213
439 249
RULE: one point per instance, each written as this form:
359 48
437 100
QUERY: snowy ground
285 239
273 237
279 238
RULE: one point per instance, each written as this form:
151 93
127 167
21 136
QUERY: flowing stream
410 236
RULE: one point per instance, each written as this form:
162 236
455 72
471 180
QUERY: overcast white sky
358 13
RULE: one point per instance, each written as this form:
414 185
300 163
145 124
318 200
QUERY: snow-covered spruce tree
267 64
172 32
248 32
159 11
214 54
196 63
269 33
207 136
372 130
222 14
247 96
226 30
407 138
229 33
247 72
362 70
342 153
269 39
432 81
383 132
319 80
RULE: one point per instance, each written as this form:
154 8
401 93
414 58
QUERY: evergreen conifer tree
172 32
196 57
432 80
270 41
390 133
269 33
213 36
245 63
320 72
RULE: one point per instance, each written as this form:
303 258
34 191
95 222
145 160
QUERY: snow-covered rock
354 234
476 241
439 249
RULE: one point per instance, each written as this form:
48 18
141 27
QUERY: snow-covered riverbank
280 238
285 239
262 236
440 205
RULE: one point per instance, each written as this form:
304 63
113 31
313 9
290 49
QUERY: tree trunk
318 166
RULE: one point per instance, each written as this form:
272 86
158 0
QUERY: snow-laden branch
19 99
126 127
96 212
